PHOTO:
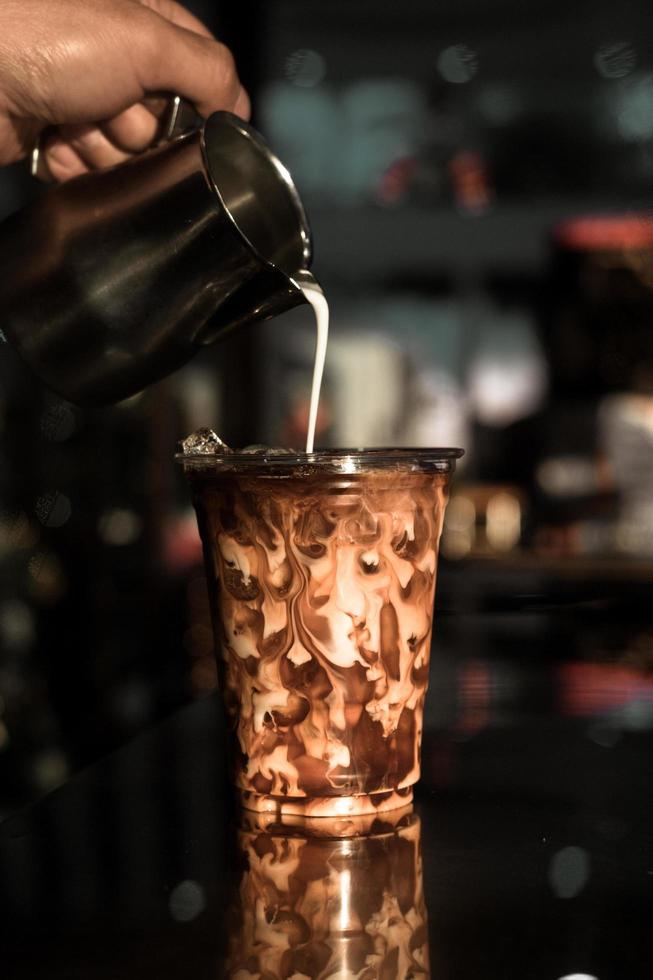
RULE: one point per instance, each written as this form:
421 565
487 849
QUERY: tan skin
89 75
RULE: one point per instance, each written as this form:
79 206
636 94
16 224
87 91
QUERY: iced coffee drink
321 571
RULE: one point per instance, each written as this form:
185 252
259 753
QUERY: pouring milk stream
318 302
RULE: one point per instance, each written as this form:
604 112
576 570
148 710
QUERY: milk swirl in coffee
322 586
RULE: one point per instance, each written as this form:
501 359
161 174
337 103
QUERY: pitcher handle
181 118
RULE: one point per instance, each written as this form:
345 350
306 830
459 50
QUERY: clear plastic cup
321 571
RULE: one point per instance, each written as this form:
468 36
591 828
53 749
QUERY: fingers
92 146
58 161
133 130
74 150
196 67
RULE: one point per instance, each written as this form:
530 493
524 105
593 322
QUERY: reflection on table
330 898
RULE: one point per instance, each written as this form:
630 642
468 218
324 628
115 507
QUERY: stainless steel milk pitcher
114 279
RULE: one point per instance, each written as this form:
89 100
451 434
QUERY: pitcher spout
267 294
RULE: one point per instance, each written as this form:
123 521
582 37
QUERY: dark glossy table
530 855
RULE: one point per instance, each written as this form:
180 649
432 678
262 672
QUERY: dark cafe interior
478 179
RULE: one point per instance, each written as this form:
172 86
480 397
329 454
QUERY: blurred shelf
528 582
608 568
368 243
546 43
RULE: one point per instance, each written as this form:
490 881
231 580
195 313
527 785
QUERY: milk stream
314 295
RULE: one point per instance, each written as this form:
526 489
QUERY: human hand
96 70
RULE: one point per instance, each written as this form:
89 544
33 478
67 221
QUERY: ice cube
257 449
204 442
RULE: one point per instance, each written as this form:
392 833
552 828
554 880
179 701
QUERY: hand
96 70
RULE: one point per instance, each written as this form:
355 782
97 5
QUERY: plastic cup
321 571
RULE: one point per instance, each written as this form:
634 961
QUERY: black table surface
535 809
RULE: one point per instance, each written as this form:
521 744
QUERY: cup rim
410 459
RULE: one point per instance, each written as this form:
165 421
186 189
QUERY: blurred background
478 177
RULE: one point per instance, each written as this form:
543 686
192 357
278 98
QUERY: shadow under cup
321 571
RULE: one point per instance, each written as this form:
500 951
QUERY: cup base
327 806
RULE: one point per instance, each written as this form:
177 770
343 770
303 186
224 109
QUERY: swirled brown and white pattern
322 589
317 907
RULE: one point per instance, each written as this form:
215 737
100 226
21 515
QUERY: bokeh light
635 110
17 628
305 68
578 976
47 579
17 532
569 871
53 509
457 64
615 59
187 900
120 526
459 528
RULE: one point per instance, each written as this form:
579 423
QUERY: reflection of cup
321 574
315 905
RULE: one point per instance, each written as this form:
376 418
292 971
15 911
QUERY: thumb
198 68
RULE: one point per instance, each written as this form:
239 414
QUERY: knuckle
227 76
87 138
